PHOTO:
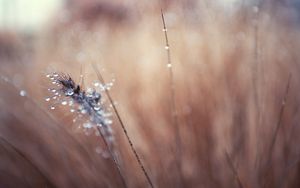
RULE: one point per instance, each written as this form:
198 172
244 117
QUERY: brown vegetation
236 83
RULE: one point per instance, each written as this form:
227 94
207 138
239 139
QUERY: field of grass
216 105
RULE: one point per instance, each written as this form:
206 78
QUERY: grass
233 86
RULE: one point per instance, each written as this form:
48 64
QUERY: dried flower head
90 104
86 103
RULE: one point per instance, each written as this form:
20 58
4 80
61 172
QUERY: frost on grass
85 104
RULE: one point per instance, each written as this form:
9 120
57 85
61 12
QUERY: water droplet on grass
23 93
69 92
87 125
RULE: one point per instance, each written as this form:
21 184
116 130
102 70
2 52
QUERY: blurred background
27 16
227 117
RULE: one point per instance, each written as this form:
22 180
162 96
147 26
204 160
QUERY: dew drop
89 90
96 84
108 121
167 47
164 29
100 112
106 114
69 92
169 65
64 103
87 125
72 110
23 93
47 99
52 107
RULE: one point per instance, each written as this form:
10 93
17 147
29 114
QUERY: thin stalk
114 157
27 159
100 78
178 155
279 119
233 169
257 78
278 125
